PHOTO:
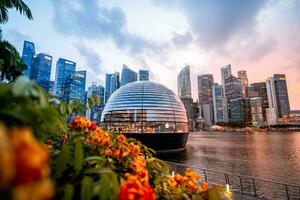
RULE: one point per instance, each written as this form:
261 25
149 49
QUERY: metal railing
246 185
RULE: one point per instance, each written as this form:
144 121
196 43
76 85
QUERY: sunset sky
261 37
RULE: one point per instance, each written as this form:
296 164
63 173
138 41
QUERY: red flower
121 138
134 190
93 126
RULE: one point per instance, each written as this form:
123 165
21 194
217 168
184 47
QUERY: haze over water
269 155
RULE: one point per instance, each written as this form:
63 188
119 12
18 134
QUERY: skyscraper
27 56
94 114
75 87
184 82
51 88
278 95
107 87
233 90
219 104
205 97
256 104
143 75
114 82
238 110
63 69
225 73
260 90
127 75
244 81
41 70
205 83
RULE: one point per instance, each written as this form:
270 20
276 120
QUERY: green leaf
63 108
96 99
62 160
68 192
86 192
90 103
104 187
78 154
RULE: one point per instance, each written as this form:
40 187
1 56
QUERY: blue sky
259 36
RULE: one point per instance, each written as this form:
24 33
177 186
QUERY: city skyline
259 46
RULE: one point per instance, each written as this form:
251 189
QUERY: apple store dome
149 112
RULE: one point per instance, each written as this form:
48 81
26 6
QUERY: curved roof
145 99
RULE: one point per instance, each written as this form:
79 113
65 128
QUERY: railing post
254 186
226 181
241 183
287 191
205 176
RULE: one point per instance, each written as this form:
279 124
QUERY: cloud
15 37
91 57
87 19
181 40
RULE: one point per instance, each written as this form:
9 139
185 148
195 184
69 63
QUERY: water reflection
274 156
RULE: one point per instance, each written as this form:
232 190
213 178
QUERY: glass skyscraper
94 114
107 87
219 104
27 56
143 75
41 70
127 75
75 87
63 69
225 73
114 82
278 95
244 81
184 83
260 90
205 83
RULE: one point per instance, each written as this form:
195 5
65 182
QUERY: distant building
205 83
260 90
272 117
114 82
51 88
188 104
256 104
143 75
238 111
75 87
94 114
27 56
207 113
184 83
225 73
107 87
64 68
233 90
278 95
41 70
244 81
219 104
127 75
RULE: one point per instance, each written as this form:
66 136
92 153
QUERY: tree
19 5
11 64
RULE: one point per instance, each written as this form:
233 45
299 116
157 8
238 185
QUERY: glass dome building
149 112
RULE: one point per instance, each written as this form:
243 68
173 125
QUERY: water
268 155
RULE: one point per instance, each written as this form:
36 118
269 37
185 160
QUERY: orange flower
81 123
32 158
191 185
108 152
121 138
132 189
117 154
98 137
204 186
93 126
134 149
178 178
191 175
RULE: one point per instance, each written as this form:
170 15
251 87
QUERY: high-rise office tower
233 90
41 70
256 104
94 114
75 87
205 97
114 82
225 73
205 83
219 104
127 75
184 82
51 88
107 87
244 81
143 75
64 68
260 90
238 110
278 95
27 56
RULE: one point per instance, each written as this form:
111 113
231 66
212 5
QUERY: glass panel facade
145 107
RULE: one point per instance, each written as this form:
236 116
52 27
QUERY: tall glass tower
205 83
128 75
244 81
75 87
41 70
63 69
107 87
184 83
219 104
27 56
114 82
143 75
94 114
